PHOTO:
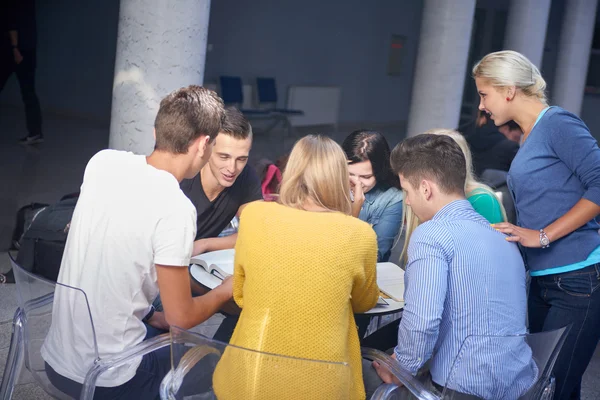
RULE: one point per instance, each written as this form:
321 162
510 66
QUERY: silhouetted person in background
17 55
491 148
512 131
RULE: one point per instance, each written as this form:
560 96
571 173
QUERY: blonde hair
316 170
471 184
510 68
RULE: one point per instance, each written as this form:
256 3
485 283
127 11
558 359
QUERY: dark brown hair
435 157
366 145
185 115
235 124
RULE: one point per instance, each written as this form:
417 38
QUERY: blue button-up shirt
383 210
463 278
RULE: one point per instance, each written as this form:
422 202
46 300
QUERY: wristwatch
544 241
149 315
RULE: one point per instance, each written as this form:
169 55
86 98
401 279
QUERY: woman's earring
508 99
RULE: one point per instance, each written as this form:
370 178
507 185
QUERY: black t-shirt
18 15
490 149
214 216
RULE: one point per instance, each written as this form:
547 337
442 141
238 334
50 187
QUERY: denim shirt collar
372 194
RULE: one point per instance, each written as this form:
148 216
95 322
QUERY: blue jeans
562 299
144 384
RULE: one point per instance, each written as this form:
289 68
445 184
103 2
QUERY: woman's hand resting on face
359 196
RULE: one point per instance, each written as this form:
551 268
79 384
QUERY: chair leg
14 361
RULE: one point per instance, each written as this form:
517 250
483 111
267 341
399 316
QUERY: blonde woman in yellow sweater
303 267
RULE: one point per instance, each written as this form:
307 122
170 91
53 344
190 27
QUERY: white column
526 28
441 65
574 54
161 47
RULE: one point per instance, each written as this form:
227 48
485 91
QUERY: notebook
390 279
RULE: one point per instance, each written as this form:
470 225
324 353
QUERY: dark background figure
490 148
493 150
18 55
511 131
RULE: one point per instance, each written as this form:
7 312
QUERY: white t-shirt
129 217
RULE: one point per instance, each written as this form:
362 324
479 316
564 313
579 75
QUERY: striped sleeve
426 284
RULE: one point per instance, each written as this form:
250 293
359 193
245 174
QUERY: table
203 282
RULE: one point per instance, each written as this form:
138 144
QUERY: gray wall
76 56
338 42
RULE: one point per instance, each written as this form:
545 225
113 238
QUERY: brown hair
186 114
235 124
436 157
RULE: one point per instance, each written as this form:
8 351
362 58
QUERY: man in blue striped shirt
463 280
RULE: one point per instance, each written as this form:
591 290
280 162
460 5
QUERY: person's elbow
366 302
179 318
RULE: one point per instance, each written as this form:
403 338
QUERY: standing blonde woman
303 267
555 183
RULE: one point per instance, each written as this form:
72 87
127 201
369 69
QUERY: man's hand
17 55
226 287
158 321
359 196
385 374
526 237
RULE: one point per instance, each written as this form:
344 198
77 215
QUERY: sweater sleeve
239 274
572 142
365 291
487 205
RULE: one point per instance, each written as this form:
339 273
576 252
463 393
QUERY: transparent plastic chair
31 325
544 347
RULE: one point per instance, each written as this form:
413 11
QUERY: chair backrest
506 365
206 369
545 347
266 90
231 90
36 297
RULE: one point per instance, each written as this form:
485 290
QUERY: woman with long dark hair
377 198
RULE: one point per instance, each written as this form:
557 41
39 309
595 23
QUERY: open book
390 279
217 263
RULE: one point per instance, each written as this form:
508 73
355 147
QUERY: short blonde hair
317 170
510 68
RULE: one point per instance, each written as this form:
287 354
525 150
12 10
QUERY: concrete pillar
526 28
441 65
161 47
574 54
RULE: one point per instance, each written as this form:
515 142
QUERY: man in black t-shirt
219 192
224 185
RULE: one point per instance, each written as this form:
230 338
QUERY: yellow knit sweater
299 277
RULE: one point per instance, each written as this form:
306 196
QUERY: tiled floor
46 172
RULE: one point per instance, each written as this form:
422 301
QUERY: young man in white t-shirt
132 234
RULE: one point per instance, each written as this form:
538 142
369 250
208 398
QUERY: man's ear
154 134
426 189
202 145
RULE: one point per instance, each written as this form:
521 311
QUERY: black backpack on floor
25 217
42 245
